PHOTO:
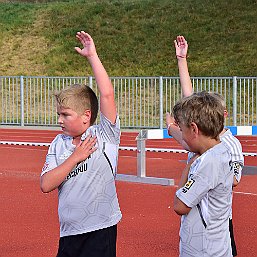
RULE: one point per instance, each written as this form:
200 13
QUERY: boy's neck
207 143
76 140
223 131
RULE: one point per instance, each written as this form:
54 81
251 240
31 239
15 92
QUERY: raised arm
174 131
181 47
107 100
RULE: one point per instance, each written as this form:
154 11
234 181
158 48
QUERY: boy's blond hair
204 109
79 98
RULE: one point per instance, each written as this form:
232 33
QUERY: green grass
133 38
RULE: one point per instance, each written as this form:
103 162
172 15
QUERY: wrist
179 57
92 57
170 124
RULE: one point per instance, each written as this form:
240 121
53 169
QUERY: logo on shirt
188 185
80 168
236 167
65 155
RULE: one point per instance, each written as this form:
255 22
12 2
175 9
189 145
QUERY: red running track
149 226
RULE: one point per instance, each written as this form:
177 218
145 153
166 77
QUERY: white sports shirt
204 230
235 147
87 198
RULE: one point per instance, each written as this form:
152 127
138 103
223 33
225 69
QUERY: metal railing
141 101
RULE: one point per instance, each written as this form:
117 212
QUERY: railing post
235 100
161 101
141 154
90 80
22 100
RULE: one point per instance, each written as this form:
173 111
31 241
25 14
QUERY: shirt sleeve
51 161
202 177
237 158
110 132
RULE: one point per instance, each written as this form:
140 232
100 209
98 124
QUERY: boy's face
72 123
188 135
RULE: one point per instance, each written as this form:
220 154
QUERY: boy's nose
60 121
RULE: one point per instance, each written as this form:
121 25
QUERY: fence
141 101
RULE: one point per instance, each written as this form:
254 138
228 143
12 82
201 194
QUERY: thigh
101 242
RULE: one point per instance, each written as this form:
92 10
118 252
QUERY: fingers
89 142
78 50
180 41
168 118
83 37
175 44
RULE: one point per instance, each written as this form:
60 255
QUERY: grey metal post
141 154
90 78
22 100
161 101
234 100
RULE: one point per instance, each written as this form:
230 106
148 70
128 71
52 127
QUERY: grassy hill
133 38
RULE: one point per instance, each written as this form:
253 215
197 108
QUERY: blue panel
233 130
254 129
165 134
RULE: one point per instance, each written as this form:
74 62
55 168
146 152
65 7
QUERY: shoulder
228 138
105 120
233 145
59 140
215 156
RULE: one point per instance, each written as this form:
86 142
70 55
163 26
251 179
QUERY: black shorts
233 243
99 243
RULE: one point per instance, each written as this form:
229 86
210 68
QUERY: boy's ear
86 116
225 113
194 128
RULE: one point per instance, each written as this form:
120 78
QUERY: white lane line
244 193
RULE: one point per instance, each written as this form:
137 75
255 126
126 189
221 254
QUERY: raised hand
181 47
85 148
88 44
169 120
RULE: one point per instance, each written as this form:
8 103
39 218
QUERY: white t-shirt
204 230
87 198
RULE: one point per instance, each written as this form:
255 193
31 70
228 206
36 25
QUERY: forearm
184 76
53 178
107 100
102 79
175 132
184 176
179 207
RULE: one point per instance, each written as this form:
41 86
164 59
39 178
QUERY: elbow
44 186
44 189
180 208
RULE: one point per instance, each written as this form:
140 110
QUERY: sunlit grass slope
133 38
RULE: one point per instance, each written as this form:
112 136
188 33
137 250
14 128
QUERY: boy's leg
101 242
233 243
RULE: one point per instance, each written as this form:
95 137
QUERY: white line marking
244 193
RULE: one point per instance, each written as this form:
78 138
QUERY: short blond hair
204 109
78 98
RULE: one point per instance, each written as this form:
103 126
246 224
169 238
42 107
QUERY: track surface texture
149 227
